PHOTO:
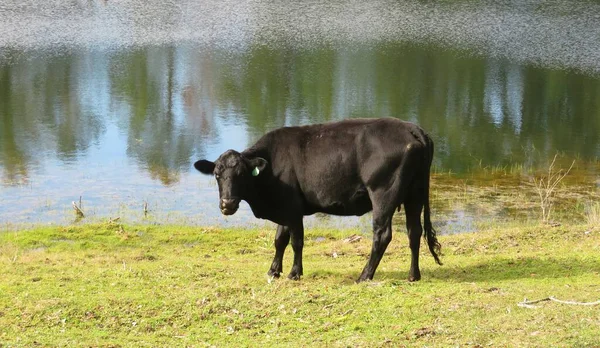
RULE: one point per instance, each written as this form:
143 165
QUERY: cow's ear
258 165
205 167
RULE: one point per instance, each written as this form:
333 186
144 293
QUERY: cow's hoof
414 278
363 279
364 276
295 275
274 274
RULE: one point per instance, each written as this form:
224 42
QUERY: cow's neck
267 202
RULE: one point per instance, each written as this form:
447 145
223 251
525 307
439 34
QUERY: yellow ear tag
255 172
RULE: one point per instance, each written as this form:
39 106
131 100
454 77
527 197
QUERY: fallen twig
575 303
530 304
353 238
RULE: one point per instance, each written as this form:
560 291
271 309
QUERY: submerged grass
485 198
115 285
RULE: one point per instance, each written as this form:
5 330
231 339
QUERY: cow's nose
226 202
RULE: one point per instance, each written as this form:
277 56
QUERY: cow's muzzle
229 205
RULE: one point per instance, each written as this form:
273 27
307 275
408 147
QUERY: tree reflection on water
173 104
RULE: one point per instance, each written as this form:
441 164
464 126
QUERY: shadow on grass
506 269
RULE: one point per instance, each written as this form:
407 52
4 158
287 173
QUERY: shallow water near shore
112 101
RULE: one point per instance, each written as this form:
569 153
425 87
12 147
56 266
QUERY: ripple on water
558 34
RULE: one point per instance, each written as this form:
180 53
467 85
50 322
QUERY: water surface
114 100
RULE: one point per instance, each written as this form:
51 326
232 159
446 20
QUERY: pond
113 101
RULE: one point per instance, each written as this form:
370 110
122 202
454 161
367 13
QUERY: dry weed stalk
78 209
546 187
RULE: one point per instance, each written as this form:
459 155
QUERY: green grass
113 285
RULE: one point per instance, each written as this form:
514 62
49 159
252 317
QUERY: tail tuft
430 236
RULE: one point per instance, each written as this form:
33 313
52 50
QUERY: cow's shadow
496 269
504 268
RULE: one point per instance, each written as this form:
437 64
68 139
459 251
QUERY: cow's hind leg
413 208
282 239
382 236
385 200
297 236
384 204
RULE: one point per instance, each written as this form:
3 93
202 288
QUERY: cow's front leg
282 239
297 235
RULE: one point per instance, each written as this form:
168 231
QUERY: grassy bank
113 285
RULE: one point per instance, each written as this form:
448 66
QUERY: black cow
343 168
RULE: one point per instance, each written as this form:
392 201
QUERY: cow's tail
430 233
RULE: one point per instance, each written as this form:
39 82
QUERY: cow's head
235 176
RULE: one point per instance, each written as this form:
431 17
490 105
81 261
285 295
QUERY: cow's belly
346 203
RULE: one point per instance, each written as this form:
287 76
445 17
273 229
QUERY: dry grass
593 214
